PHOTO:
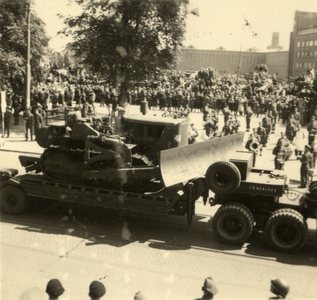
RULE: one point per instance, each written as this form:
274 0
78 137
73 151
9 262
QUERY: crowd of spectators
279 288
176 94
173 91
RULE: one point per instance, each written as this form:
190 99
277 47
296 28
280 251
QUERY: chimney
275 41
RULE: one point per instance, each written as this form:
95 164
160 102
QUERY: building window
297 54
315 53
303 43
307 31
298 44
311 43
307 43
315 43
297 65
300 65
302 54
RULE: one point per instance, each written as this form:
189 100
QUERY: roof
157 120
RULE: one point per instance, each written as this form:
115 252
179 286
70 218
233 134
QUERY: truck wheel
286 231
223 178
233 223
13 200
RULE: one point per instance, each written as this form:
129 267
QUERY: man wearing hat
96 290
139 296
312 130
209 288
54 289
280 288
307 163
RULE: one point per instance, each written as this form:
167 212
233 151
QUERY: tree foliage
128 39
13 44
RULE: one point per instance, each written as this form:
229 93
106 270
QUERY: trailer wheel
233 223
223 178
13 200
286 231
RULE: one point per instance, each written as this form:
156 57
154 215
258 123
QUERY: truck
149 167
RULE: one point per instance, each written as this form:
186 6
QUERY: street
160 256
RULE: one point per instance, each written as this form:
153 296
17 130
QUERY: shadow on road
119 229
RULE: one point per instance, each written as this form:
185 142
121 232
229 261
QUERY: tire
13 200
223 178
233 223
286 231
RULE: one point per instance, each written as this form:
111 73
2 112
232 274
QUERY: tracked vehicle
149 167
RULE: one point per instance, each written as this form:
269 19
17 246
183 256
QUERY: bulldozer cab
152 133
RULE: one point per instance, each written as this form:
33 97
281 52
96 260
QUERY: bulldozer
134 159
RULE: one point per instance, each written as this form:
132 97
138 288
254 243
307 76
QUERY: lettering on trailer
262 188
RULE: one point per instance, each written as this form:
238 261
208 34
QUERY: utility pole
28 57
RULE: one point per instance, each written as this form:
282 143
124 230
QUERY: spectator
209 288
7 121
96 290
37 121
248 115
139 296
307 163
280 153
192 134
28 118
261 132
280 288
312 130
54 289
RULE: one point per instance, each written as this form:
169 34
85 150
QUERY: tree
128 40
13 44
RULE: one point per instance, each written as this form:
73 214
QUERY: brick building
303 43
227 62
287 65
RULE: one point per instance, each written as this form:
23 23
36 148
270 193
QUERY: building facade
287 65
303 43
228 62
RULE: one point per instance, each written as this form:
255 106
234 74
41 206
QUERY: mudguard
187 162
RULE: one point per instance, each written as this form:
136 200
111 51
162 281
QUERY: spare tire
223 178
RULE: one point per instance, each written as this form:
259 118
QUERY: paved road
164 258
161 256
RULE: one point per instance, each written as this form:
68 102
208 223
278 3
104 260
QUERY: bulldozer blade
188 162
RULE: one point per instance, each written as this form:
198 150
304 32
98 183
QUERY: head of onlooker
54 289
96 290
209 288
139 296
279 287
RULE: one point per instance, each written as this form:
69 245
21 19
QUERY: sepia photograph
158 149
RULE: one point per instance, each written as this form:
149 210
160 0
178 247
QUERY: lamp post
239 65
28 57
